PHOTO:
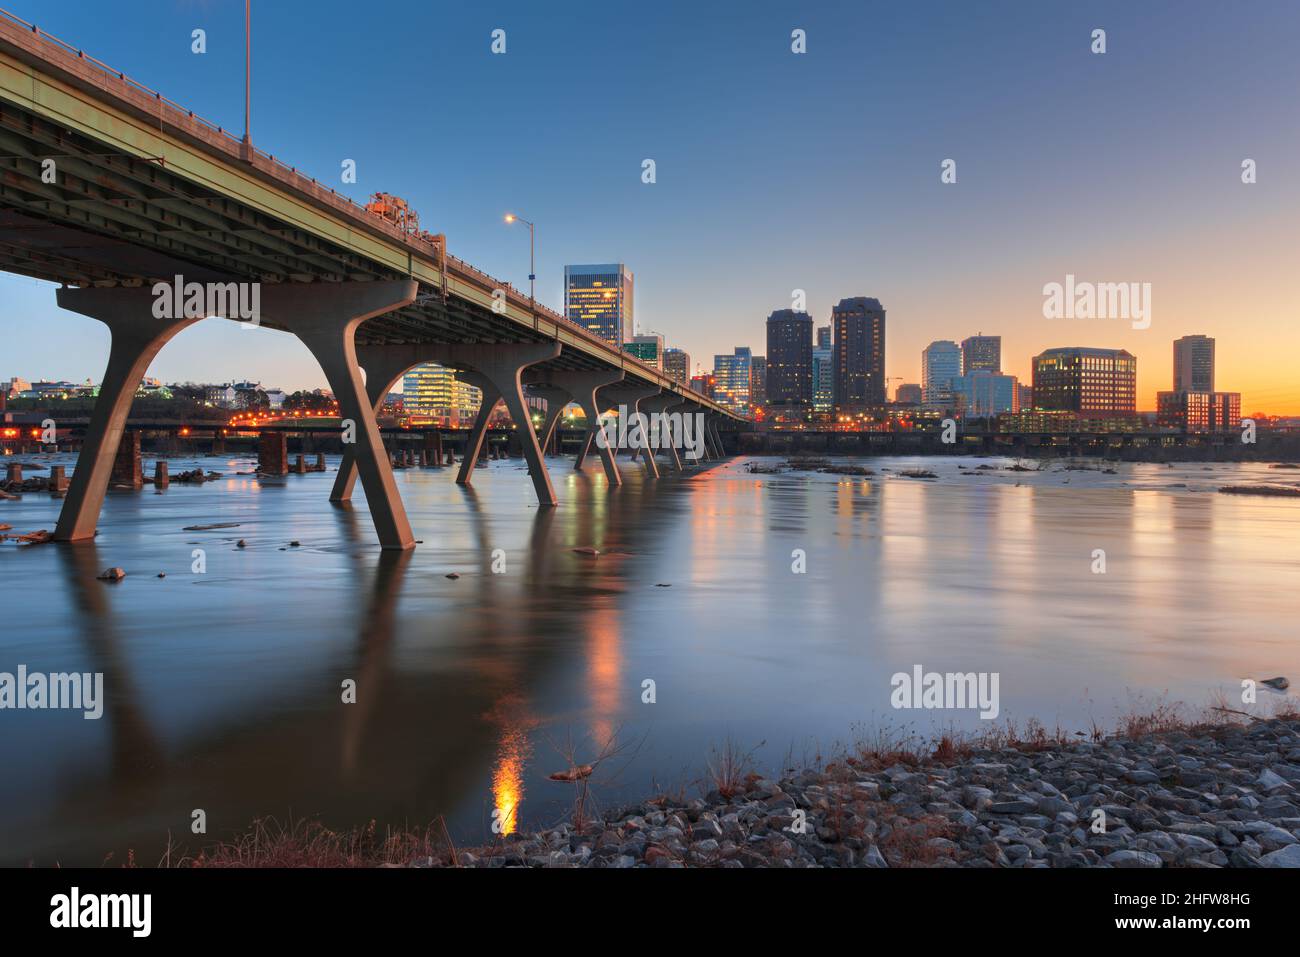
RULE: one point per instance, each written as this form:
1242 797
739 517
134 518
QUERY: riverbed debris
576 773
207 528
1281 491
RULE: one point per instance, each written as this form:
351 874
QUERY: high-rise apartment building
599 298
677 365
790 360
859 354
1085 380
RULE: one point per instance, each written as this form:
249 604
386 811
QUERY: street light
532 277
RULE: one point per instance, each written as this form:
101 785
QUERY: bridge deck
145 190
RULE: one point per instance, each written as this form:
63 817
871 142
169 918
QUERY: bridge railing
358 209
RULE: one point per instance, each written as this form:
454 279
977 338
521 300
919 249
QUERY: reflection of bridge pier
137 754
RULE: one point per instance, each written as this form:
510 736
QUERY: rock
114 574
1280 683
1269 780
1128 858
1019 806
452 575
873 858
1288 856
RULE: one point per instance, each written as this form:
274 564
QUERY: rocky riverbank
1224 796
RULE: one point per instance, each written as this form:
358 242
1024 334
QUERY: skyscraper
1086 380
981 352
677 365
1194 364
859 353
790 360
432 395
823 372
758 381
599 298
940 364
731 379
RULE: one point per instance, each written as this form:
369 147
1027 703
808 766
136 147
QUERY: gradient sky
776 171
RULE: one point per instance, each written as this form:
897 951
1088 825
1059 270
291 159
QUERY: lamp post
532 270
248 79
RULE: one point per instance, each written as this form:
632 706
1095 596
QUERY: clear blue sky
775 171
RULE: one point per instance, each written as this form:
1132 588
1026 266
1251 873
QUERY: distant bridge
144 191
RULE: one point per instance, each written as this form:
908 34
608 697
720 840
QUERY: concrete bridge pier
663 432
630 397
583 387
325 316
711 430
490 397
137 338
384 366
687 409
556 399
498 371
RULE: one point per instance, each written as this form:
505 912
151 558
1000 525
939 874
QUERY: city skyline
1148 201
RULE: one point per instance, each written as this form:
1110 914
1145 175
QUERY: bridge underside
101 195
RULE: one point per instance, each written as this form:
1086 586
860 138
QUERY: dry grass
729 766
308 843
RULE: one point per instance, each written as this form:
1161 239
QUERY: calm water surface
224 692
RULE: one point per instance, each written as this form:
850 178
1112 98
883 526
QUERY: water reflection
224 689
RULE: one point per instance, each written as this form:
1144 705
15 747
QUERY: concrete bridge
108 188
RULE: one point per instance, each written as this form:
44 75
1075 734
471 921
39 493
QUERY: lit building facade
981 353
984 394
599 298
1099 381
1199 411
704 384
940 364
432 395
731 379
677 365
758 381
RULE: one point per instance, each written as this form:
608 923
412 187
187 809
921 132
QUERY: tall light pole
532 270
248 77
